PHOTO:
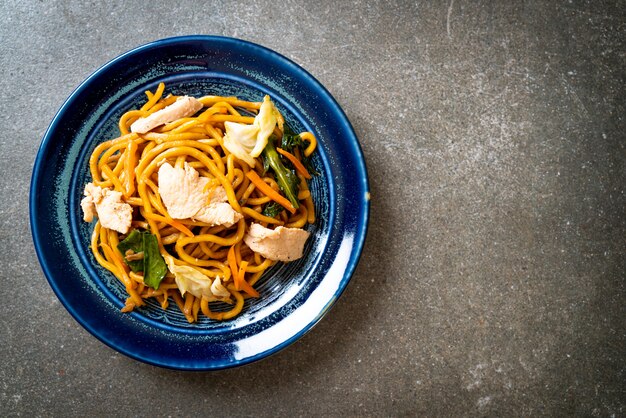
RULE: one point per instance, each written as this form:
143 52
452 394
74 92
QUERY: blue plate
294 296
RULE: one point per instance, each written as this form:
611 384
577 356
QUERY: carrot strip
129 168
232 263
245 286
171 222
182 228
241 274
296 163
269 192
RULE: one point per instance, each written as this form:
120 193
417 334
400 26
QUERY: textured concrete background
492 282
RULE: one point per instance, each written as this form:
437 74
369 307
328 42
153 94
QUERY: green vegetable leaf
306 162
287 180
134 243
292 141
141 253
290 186
154 265
266 164
272 209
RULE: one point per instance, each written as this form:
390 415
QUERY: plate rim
358 244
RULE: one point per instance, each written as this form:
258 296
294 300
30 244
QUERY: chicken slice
280 244
89 208
108 206
220 213
186 195
183 107
182 190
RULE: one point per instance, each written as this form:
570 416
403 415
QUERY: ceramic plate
294 296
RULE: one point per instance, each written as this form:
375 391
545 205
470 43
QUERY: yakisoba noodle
130 163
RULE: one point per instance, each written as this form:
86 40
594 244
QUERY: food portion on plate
197 198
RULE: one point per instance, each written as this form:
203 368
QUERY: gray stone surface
492 281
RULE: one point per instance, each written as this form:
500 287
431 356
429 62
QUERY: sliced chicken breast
107 204
280 244
186 195
183 107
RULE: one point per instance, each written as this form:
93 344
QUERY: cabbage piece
240 140
218 289
188 279
248 141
